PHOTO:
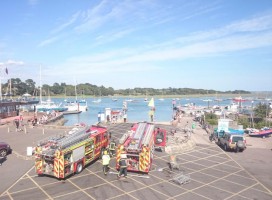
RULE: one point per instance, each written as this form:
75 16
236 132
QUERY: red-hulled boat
239 99
265 132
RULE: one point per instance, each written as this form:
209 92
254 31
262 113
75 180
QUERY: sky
201 44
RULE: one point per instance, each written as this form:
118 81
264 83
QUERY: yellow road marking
80 189
250 174
17 181
40 187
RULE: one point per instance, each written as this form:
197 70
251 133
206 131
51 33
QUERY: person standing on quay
21 124
17 123
125 117
105 162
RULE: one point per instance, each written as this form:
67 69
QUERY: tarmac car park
213 174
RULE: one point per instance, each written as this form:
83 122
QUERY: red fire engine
138 144
65 155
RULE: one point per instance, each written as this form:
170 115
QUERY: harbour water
138 109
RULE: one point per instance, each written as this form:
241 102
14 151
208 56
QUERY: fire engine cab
138 144
64 155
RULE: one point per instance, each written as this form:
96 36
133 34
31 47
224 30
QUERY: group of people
115 118
48 116
123 162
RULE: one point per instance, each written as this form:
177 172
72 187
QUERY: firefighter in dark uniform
112 147
123 165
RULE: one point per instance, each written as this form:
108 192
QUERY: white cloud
260 23
257 24
12 62
111 12
122 14
112 36
129 60
245 34
48 41
68 23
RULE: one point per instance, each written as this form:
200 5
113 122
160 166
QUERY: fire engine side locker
89 152
78 157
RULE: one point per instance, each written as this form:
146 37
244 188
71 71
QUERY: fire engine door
97 145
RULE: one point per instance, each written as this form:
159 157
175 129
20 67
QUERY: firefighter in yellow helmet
105 162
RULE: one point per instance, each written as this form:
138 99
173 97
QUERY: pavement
18 163
213 173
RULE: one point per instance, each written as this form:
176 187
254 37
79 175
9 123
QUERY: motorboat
49 105
264 132
82 105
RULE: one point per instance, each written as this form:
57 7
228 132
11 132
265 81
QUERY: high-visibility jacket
112 146
105 159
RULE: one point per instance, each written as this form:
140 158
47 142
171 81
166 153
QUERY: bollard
8 129
25 129
43 131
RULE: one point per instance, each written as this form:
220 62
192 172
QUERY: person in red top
21 120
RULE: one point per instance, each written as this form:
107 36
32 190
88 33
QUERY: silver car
233 142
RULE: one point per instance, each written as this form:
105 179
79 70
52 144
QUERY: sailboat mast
40 84
76 90
10 88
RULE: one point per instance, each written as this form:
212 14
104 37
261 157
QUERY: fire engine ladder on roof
137 136
73 139
148 134
58 138
139 132
50 139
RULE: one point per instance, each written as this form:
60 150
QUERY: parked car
233 142
4 149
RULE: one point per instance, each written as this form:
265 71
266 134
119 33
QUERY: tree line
19 87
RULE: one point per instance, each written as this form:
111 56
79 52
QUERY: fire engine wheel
79 167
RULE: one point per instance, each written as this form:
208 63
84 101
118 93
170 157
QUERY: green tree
57 89
18 87
211 118
262 110
244 121
46 90
30 86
